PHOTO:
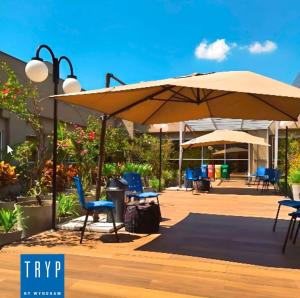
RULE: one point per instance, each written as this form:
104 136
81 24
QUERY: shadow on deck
239 239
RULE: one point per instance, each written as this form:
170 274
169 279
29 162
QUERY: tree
23 101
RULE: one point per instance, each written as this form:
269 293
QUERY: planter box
296 191
7 205
10 237
36 218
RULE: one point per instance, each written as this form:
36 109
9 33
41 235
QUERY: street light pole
37 71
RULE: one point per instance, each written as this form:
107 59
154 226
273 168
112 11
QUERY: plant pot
36 218
7 205
296 191
10 237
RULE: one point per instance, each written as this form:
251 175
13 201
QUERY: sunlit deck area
219 244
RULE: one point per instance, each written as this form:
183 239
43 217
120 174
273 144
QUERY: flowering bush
8 174
80 145
23 101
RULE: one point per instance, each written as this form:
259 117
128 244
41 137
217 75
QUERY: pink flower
83 152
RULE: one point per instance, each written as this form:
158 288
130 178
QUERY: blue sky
141 40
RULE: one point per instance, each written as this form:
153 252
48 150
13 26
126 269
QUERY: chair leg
114 224
293 228
157 201
287 235
84 225
276 218
296 234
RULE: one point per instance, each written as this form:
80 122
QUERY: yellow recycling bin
217 171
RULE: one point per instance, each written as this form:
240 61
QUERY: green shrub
109 170
66 205
9 219
294 177
154 183
169 176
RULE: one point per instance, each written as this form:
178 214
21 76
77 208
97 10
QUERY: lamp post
37 71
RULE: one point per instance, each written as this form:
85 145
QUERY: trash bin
217 171
225 171
116 192
204 171
211 171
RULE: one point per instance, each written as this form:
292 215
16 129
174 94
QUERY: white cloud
264 47
217 50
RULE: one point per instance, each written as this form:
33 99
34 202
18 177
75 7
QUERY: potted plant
67 207
295 182
10 225
37 211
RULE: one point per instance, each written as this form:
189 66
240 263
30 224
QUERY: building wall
15 130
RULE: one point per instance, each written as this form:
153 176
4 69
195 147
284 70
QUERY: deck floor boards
210 245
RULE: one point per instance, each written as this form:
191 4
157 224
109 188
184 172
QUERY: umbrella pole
108 77
101 145
180 154
160 158
286 160
101 156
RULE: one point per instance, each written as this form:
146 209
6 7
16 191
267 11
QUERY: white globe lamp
71 85
36 70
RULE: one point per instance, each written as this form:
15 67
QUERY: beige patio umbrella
224 137
233 94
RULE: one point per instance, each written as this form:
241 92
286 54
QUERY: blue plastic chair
191 175
288 203
290 231
197 174
260 174
135 186
268 178
90 207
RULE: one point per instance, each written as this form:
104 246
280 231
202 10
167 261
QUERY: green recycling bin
225 171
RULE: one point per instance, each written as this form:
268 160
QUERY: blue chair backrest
261 171
134 181
270 173
80 191
189 174
197 173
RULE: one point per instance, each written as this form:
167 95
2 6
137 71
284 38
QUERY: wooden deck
212 245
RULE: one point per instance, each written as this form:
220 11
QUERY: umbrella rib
194 93
162 105
183 96
172 100
272 106
165 88
215 97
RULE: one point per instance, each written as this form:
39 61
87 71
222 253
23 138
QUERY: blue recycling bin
204 169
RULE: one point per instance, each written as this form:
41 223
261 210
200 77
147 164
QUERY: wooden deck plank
213 245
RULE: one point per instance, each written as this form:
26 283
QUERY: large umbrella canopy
224 137
234 94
